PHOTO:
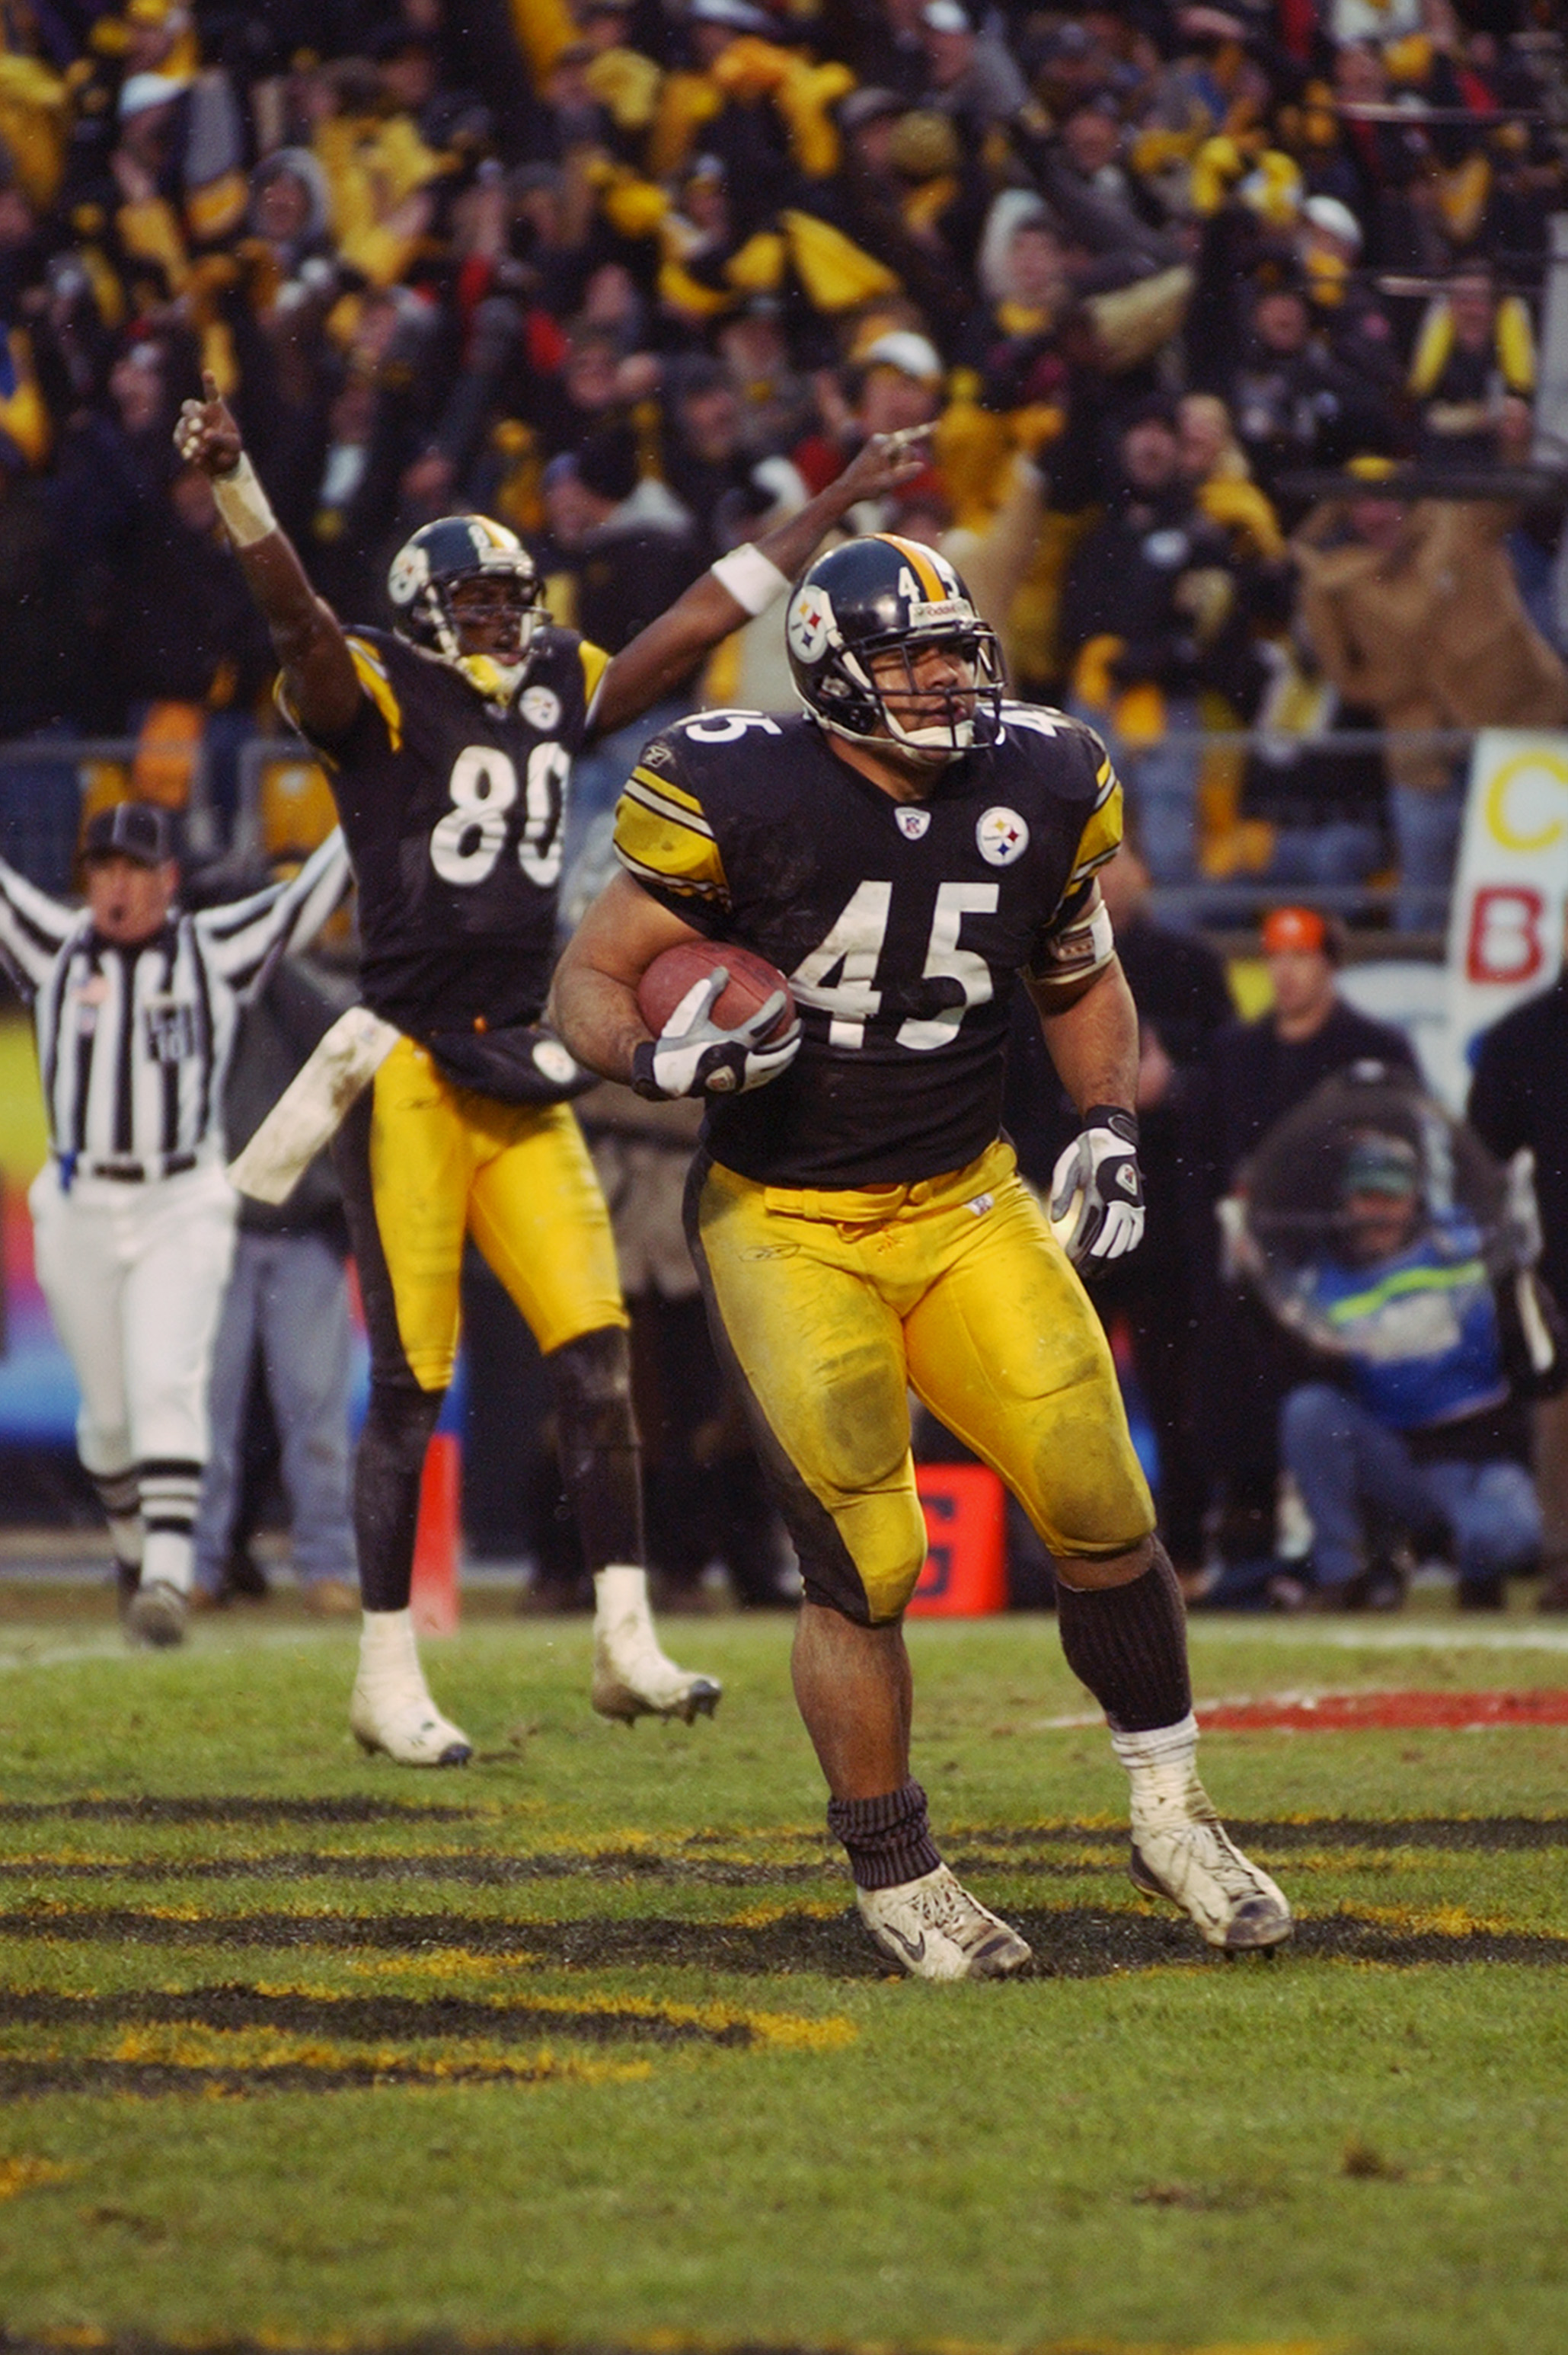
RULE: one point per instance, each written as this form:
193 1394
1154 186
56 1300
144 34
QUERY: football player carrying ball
899 852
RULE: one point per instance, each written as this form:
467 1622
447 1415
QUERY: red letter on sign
1505 935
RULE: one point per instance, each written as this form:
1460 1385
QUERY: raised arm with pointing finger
318 669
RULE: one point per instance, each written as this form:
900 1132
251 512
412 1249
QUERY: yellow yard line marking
257 2050
1447 1922
789 2030
18 2175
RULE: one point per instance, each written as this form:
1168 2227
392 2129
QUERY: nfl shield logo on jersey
913 823
1001 836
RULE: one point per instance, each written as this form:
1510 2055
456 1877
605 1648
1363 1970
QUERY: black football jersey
900 924
452 810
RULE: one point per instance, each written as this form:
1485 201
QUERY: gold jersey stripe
679 810
371 673
666 787
665 846
1101 837
365 653
596 663
685 889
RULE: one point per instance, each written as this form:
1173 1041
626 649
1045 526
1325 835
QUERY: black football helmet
429 567
886 595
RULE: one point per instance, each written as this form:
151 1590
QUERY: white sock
167 1558
619 1592
389 1653
1160 1763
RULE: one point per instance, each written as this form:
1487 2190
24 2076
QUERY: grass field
301 2050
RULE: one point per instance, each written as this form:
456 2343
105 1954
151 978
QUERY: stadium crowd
632 276
1205 308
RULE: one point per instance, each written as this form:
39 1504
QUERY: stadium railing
45 781
51 782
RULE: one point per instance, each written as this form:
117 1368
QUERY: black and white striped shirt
134 1043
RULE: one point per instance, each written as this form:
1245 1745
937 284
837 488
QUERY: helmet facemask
946 721
426 585
499 672
880 604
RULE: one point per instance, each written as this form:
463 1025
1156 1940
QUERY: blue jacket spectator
1418 1435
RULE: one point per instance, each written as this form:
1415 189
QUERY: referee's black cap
137 830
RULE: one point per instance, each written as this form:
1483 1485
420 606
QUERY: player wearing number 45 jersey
447 745
902 852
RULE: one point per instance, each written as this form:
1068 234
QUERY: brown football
753 981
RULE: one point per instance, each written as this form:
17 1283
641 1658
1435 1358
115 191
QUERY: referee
135 1004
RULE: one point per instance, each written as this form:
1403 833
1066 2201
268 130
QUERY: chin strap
959 735
930 757
498 682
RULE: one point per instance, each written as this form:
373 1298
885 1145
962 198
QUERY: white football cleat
155 1615
1181 1850
404 1722
632 1677
933 1928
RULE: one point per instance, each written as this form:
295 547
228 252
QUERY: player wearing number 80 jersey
447 745
451 805
860 1227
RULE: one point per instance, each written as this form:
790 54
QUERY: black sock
386 1474
889 1838
1128 1645
600 1461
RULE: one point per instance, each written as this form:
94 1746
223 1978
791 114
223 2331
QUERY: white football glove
1097 1191
692 1055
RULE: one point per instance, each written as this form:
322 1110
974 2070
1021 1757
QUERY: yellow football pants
424 1164
829 1307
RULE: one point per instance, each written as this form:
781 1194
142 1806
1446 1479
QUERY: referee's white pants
135 1276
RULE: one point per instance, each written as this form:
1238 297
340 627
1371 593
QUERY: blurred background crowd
631 273
1224 322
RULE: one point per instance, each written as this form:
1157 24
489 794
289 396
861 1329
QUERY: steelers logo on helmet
1001 836
863 627
427 570
810 624
409 572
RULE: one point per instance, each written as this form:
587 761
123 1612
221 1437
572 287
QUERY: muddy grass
1073 1941
382 2020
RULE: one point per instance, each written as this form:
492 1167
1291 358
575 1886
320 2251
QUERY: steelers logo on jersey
913 823
1001 836
540 707
810 627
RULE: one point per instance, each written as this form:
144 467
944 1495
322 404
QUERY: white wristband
752 579
242 504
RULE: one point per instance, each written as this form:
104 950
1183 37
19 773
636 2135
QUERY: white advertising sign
1510 889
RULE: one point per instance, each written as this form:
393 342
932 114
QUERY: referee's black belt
138 1173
